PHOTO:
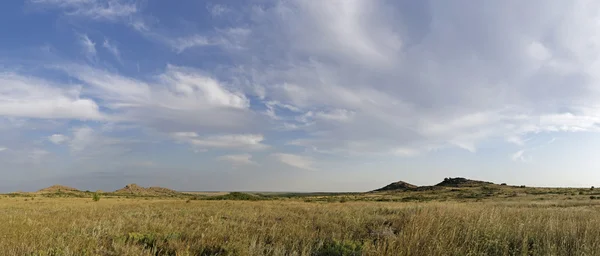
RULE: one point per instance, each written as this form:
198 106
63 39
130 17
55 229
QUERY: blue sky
297 95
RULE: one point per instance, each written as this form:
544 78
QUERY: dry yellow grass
79 226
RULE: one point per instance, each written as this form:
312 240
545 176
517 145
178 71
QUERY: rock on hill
462 182
134 189
57 189
399 185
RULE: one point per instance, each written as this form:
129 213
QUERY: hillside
399 185
135 189
462 182
447 182
58 189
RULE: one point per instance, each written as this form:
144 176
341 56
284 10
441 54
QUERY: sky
286 95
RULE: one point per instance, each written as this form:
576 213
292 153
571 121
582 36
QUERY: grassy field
490 220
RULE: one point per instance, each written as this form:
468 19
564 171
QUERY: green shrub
96 197
339 248
238 196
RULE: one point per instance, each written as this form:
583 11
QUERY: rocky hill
398 185
462 182
135 189
58 189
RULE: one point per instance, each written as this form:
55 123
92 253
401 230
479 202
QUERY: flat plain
479 219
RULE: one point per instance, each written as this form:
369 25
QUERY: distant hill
398 185
57 189
447 182
462 182
134 189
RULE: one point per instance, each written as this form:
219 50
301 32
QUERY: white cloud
2 149
297 161
25 156
178 88
88 47
37 155
181 44
82 137
230 38
518 156
239 159
89 144
109 10
363 77
516 140
58 138
217 10
415 84
535 145
538 51
178 99
113 49
229 141
118 90
22 96
188 83
340 115
405 152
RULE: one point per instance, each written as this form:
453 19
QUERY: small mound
135 189
462 182
58 189
399 185
131 189
238 196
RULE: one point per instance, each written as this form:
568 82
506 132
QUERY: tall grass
79 226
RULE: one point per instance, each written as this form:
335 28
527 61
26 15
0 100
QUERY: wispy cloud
113 49
519 156
37 155
83 137
239 159
181 44
217 10
58 138
88 47
109 10
230 141
327 78
297 161
90 144
406 152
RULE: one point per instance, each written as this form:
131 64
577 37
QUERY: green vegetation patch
239 196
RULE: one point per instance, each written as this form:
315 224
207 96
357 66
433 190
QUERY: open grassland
446 222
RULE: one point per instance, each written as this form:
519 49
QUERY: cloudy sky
289 95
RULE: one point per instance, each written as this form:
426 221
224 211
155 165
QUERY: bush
336 248
96 197
238 196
